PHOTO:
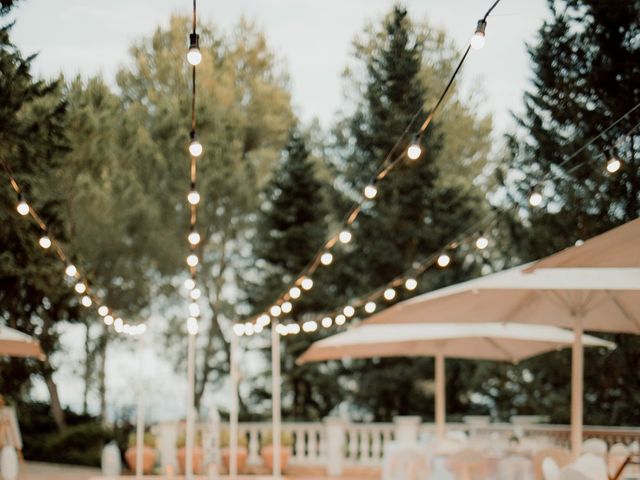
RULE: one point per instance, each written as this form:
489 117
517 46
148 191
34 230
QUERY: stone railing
337 444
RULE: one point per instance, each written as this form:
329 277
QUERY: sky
313 39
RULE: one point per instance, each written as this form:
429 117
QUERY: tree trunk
102 384
88 367
56 407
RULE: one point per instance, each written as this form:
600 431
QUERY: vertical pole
577 379
275 398
140 414
233 413
190 433
440 396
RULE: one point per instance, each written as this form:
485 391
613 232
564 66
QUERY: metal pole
577 379
140 414
233 413
275 398
191 360
440 396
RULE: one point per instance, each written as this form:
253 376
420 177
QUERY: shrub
286 439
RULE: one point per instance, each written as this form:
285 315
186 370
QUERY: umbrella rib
622 309
501 349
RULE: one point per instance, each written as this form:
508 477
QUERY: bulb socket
481 27
194 40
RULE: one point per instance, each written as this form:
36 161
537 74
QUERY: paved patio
48 471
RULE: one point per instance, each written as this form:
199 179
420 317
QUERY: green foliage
149 440
225 439
286 439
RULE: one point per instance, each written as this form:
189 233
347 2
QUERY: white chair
587 467
618 453
550 469
595 446
561 457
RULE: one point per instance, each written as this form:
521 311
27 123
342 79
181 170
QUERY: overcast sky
314 40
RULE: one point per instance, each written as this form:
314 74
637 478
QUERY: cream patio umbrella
602 299
14 343
480 341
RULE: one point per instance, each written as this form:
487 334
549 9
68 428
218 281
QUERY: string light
275 311
193 197
414 150
286 307
370 307
118 324
194 238
249 329
194 55
389 294
345 236
108 320
257 328
326 322
238 329
195 294
306 284
292 329
71 270
444 260
263 320
410 284
326 258
294 292
613 165
80 287
194 309
45 241
195 147
192 326
349 311
86 300
478 38
482 242
23 206
281 329
103 310
535 199
189 284
370 192
340 319
309 326
192 260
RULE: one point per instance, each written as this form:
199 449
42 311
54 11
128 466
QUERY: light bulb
613 165
275 311
189 284
80 287
327 322
444 260
345 236
349 311
117 324
478 38
370 191
194 238
192 326
45 242
281 329
286 307
389 294
238 329
126 329
410 284
108 320
193 197
192 260
535 199
23 207
86 301
482 242
294 292
249 329
195 294
103 310
194 309
370 307
307 283
309 326
71 270
194 55
340 319
257 328
264 320
292 329
326 258
195 148
414 150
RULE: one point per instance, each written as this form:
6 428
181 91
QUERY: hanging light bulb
327 322
286 307
307 283
257 328
195 147
478 38
194 238
292 329
80 287
309 326
86 301
389 294
193 197
281 329
238 329
249 329
103 310
370 307
192 260
189 284
326 258
263 320
275 311
194 55
535 199
45 241
71 270
414 150
118 324
23 206
444 260
613 165
349 311
192 326
410 284
482 242
108 320
294 292
195 294
340 319
345 236
194 309
370 192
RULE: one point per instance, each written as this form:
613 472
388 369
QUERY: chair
561 457
587 467
550 469
595 446
618 453
469 465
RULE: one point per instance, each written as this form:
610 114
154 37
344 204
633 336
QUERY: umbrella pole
233 414
190 431
577 379
440 396
275 399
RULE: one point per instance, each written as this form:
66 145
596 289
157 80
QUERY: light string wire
476 231
391 161
88 296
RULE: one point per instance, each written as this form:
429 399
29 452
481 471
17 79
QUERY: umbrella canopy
617 248
486 341
17 344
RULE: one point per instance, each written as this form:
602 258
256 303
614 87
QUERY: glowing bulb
340 319
309 326
117 324
80 287
281 329
195 148
23 207
192 326
238 329
71 270
535 199
86 301
189 284
307 284
410 284
194 55
249 329
414 150
194 238
613 165
327 322
389 294
478 38
370 192
345 236
292 328
294 292
326 258
370 307
286 307
192 260
195 294
482 242
126 329
264 320
349 311
45 242
275 311
194 309
444 260
193 197
103 310
108 320
257 328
